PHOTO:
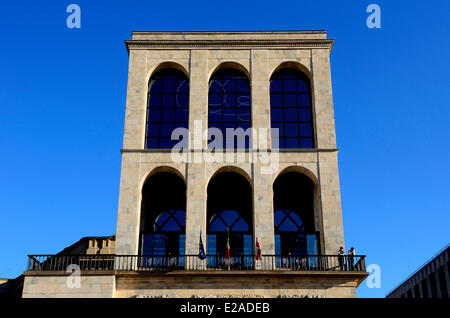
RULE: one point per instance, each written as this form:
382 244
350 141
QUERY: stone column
196 179
136 104
127 234
262 178
333 232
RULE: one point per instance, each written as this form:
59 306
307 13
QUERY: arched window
229 106
163 215
229 215
291 109
168 107
294 215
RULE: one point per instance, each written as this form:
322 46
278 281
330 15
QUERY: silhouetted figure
341 256
351 259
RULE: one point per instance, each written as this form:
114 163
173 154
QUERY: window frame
303 140
222 124
164 142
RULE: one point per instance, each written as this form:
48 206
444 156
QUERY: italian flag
227 248
258 250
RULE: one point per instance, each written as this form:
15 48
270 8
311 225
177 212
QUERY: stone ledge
314 150
64 273
358 276
229 44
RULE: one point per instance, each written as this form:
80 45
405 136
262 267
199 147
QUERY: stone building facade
199 56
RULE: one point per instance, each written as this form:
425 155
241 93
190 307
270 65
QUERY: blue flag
201 249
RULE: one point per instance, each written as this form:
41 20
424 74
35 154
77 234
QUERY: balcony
216 263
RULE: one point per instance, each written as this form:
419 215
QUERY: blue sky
62 100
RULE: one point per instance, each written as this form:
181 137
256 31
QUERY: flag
258 250
227 248
201 249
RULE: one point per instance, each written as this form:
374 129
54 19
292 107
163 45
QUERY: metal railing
193 262
61 262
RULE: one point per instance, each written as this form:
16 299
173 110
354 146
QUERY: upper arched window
290 109
229 106
168 107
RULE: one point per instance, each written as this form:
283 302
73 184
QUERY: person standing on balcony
351 258
341 255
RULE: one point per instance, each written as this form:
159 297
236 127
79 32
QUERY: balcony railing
194 263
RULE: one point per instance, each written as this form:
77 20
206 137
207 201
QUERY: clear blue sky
62 100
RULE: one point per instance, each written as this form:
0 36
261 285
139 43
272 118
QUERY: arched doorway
163 219
293 200
230 219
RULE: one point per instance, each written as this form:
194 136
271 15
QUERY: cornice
228 44
312 150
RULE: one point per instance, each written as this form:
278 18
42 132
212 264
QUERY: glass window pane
288 226
154 100
243 100
306 143
170 86
182 115
168 100
244 115
152 143
153 115
183 86
155 86
182 124
240 225
217 226
305 114
305 130
229 100
280 128
229 86
243 86
290 115
290 100
289 85
214 115
275 86
276 100
215 86
229 116
276 114
167 115
166 144
166 129
291 130
215 100
292 143
182 100
302 86
153 130
303 100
